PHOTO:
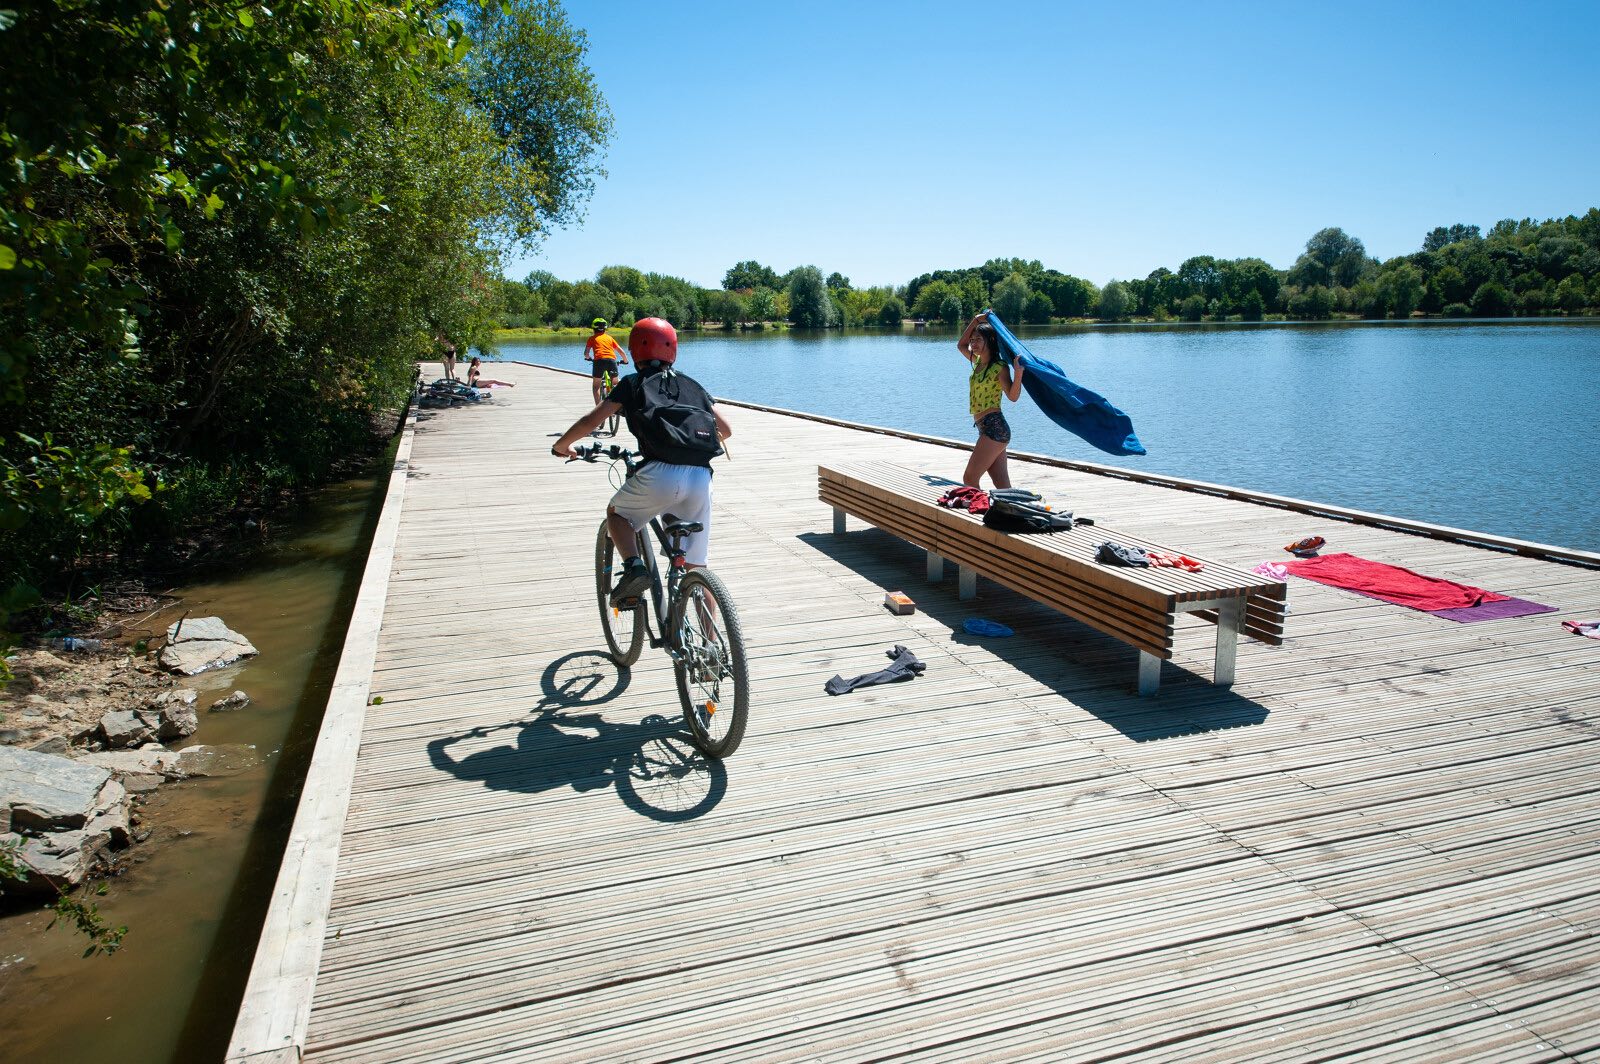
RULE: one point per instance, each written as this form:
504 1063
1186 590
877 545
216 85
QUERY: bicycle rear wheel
624 629
713 679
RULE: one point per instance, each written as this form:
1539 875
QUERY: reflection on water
1483 426
195 901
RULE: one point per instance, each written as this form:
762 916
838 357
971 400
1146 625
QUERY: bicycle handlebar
594 452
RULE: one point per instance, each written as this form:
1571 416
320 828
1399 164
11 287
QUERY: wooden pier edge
271 1024
1528 548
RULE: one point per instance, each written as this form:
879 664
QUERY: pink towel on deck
1390 583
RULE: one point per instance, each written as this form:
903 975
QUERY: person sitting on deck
604 351
991 378
676 477
476 379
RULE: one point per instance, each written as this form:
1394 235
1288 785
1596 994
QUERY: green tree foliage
1115 302
1193 307
1313 304
1445 235
810 305
1038 309
1342 255
749 275
1010 297
1400 288
1570 294
838 282
1253 307
227 231
621 280
526 77
1491 300
932 298
892 312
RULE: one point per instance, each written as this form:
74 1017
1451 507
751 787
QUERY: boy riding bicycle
679 430
604 351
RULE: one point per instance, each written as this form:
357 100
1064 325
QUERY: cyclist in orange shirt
605 353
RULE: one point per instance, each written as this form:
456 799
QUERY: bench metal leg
1149 674
966 583
1230 618
935 568
838 521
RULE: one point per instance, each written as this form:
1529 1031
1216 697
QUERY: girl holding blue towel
990 379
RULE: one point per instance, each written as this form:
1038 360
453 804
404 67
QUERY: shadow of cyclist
656 770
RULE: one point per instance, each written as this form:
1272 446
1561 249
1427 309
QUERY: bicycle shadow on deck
654 768
1089 669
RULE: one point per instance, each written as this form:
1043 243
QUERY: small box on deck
899 602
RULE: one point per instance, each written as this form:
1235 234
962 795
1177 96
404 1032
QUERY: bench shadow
1091 670
653 766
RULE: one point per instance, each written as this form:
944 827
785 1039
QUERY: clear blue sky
885 139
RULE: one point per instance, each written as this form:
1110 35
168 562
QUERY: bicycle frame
662 596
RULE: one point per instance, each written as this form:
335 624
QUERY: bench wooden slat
1135 605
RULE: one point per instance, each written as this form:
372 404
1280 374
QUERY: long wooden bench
1137 606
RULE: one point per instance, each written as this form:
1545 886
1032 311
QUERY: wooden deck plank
1381 843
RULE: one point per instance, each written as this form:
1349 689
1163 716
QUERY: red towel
1390 583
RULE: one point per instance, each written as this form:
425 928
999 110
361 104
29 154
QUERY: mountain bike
695 621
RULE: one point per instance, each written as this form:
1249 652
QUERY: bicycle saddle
684 528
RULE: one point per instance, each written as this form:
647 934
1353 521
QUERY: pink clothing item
1272 570
1390 583
1587 629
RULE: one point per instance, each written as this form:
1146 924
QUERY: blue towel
1072 406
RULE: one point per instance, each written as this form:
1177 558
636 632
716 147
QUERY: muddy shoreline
194 885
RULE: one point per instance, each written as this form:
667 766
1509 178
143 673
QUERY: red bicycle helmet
653 339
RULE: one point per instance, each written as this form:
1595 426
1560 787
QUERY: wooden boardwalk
1383 842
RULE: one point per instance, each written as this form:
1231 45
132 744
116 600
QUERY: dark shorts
993 426
605 365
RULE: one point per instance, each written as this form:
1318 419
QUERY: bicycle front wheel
713 679
624 629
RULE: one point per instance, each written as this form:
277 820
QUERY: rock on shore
66 815
200 643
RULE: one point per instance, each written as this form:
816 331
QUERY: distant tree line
1522 267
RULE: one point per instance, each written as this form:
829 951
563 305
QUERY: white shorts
680 490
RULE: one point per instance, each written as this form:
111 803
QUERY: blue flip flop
979 626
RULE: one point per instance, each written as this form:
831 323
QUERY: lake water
196 894
1490 427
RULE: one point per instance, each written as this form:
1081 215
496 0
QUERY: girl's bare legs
999 472
984 455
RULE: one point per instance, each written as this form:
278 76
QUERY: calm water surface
1490 427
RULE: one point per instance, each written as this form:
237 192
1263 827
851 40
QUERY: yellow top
984 387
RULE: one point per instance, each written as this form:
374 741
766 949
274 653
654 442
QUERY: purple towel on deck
1493 611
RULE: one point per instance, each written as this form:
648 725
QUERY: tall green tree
236 227
810 305
1342 255
1010 297
748 275
1115 302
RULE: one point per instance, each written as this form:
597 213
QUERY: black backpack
673 421
1013 515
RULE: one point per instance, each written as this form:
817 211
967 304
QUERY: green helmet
599 323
